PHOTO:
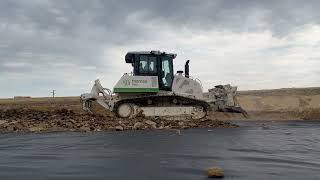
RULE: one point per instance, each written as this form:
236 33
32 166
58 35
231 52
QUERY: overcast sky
66 44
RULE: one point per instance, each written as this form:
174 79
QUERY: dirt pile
309 114
30 120
281 104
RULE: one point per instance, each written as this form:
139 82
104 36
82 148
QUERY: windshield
147 64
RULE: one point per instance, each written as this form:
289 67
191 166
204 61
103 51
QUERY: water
288 150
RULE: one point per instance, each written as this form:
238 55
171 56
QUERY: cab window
167 72
153 64
143 66
148 64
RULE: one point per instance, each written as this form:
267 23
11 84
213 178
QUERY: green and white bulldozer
153 89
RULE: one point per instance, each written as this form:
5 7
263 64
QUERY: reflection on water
287 150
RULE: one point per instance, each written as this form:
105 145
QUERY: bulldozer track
166 100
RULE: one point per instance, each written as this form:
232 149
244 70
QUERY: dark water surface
288 150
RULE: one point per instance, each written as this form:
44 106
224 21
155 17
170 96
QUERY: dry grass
39 100
282 92
42 104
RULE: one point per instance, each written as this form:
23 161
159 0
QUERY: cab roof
129 56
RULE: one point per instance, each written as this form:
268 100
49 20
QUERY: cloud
64 45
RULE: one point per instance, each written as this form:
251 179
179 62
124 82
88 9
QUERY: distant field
43 103
283 92
39 99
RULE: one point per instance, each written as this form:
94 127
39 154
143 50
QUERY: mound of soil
31 120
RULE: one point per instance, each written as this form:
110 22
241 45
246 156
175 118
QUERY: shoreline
25 120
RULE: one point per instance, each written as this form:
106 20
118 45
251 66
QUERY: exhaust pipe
186 69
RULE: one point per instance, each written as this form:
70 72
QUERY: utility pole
53 93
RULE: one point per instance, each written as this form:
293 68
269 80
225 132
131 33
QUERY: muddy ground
65 114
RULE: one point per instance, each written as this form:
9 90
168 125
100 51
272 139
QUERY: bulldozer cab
153 63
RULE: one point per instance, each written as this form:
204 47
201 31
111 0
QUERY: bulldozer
152 89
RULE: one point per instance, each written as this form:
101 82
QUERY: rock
2 122
73 121
11 128
181 123
98 129
154 126
119 128
13 122
215 172
69 125
85 128
138 126
78 125
19 126
36 129
192 124
151 123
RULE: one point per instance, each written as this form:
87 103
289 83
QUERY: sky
66 44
